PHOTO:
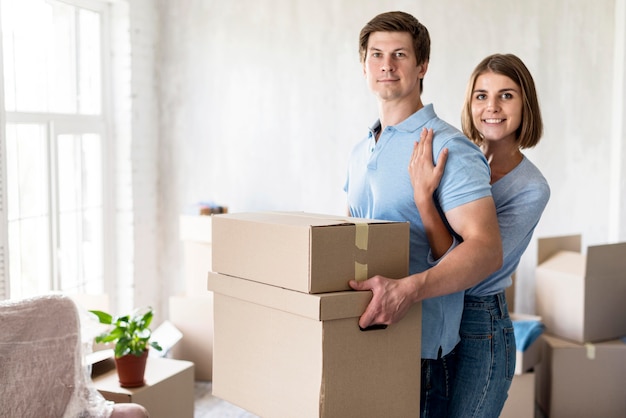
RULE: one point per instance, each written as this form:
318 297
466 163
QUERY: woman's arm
425 178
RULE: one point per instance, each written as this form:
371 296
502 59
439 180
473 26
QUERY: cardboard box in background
283 353
193 316
306 252
168 392
581 380
581 297
521 400
195 235
192 311
195 228
526 360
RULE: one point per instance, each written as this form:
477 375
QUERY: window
54 147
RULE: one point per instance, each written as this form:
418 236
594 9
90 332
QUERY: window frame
73 124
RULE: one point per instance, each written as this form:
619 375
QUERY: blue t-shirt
520 197
378 186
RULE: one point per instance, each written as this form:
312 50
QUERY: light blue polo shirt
378 186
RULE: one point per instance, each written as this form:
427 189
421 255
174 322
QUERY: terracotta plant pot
131 369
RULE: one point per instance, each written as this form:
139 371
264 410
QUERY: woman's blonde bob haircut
531 128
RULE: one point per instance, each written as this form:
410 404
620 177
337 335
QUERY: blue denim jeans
485 358
436 386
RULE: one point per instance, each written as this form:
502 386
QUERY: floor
209 406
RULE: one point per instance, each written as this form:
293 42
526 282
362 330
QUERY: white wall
260 102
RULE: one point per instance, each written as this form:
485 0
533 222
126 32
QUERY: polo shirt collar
411 124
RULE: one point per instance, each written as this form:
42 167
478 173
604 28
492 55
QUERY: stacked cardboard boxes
286 338
192 311
581 380
580 298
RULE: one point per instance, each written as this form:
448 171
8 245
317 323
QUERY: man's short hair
397 22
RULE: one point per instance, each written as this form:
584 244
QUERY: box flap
607 260
303 219
547 247
556 342
319 306
347 304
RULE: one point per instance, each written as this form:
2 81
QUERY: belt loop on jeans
501 303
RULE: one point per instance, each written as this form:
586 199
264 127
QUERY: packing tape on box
361 238
360 271
591 351
361 235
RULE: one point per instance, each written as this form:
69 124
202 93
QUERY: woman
501 115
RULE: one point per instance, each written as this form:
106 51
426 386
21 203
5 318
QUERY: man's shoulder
443 131
444 128
446 131
448 136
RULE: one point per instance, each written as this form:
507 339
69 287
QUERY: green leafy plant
130 333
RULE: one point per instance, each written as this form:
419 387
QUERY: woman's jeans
485 358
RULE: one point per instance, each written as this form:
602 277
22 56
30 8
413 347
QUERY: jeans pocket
509 342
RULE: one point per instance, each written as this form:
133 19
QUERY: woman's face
496 106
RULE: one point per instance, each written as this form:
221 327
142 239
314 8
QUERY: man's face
390 66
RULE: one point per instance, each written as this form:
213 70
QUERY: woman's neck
502 157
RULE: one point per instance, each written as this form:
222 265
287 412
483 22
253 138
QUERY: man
395 51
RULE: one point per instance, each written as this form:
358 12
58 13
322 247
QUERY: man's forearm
465 266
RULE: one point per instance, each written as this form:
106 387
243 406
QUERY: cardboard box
527 359
193 316
521 400
197 263
308 252
581 297
283 353
168 392
576 380
192 312
195 228
195 234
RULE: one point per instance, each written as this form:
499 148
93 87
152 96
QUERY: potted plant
131 336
